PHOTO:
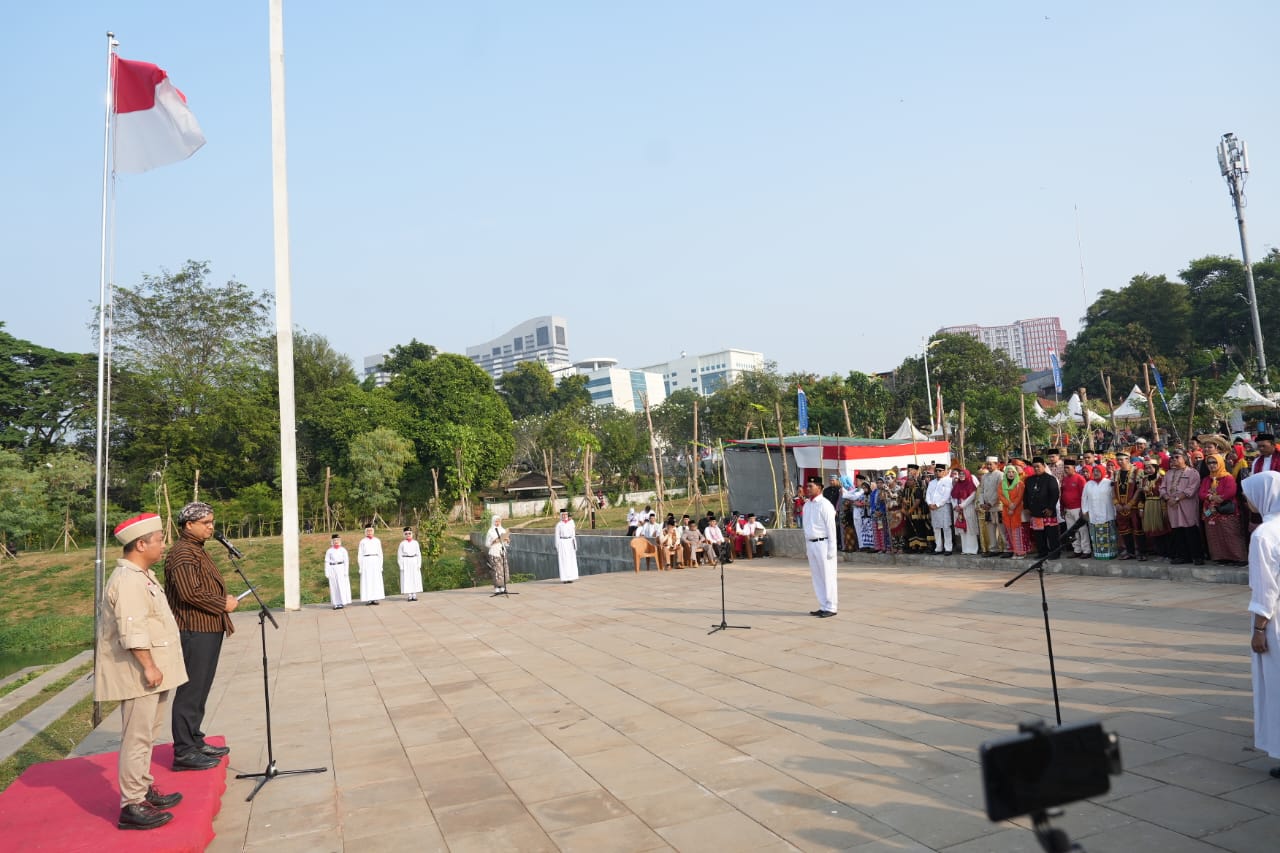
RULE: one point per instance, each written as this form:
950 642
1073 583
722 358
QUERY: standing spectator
1011 511
1181 493
200 604
495 543
989 504
1041 501
567 547
915 508
633 521
1098 505
1071 496
409 559
369 559
337 568
964 496
1128 497
1263 494
1155 518
938 497
1221 512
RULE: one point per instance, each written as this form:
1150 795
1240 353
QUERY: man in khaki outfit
139 662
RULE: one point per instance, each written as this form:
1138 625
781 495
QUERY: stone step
23 731
12 700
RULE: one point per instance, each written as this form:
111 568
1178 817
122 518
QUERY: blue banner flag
802 411
1057 372
1159 382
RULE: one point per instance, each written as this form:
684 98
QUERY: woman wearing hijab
1263 493
964 497
1015 530
1155 521
1098 505
1221 514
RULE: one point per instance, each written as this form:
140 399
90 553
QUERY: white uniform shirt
939 492
819 521
1098 502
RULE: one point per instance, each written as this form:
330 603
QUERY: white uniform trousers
941 520
1080 542
823 570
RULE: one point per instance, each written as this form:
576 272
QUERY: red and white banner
153 125
847 459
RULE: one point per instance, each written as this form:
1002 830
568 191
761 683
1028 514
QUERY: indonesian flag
153 126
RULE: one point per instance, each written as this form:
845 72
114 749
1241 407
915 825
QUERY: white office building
373 367
708 373
610 385
544 339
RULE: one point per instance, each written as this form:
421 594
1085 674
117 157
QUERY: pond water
11 662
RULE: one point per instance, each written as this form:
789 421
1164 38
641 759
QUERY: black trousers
1047 540
1186 544
200 649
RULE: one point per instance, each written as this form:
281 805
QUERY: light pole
928 387
1233 161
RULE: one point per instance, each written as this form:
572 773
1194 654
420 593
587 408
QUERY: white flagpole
100 486
284 313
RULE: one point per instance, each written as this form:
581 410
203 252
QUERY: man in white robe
821 532
369 558
1263 493
567 548
938 497
337 568
409 557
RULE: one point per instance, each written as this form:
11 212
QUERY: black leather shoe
825 614
162 801
142 815
816 612
215 751
195 760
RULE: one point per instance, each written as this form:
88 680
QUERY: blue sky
824 182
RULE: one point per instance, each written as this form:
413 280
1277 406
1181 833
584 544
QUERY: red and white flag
153 125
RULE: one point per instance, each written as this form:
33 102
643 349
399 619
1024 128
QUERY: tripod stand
263 616
1038 567
724 622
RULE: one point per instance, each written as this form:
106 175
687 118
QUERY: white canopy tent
1133 408
908 431
1074 413
1242 395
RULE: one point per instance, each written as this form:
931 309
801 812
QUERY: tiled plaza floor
600 716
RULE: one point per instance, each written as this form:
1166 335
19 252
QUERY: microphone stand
724 622
1038 567
264 615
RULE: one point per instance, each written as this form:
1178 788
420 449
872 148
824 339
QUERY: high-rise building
544 339
708 373
373 367
610 385
1027 342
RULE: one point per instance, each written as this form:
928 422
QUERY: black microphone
1071 531
231 549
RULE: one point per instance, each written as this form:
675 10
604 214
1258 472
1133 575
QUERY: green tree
571 393
1220 316
328 425
24 511
45 395
403 355
624 444
317 367
527 390
1151 316
378 459
747 406
673 417
69 479
453 404
962 365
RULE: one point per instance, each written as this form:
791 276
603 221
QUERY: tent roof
908 430
1133 406
1075 413
1245 396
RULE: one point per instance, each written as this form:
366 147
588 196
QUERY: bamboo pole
653 455
195 487
1151 402
1191 416
697 463
1084 417
1022 405
782 449
724 479
1106 385
848 425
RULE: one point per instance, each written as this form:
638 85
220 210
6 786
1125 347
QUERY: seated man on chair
741 534
669 549
715 536
759 536
695 546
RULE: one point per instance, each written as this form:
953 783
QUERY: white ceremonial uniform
1263 491
409 557
337 568
567 549
821 539
939 494
369 556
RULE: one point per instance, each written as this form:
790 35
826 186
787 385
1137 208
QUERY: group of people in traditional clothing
337 568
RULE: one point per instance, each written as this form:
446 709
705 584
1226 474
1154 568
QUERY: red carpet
72 805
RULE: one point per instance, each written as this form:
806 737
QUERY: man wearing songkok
1266 460
1040 498
337 568
989 503
200 604
369 559
567 547
694 544
759 536
938 496
495 543
742 533
1071 495
715 536
409 559
820 532
139 663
